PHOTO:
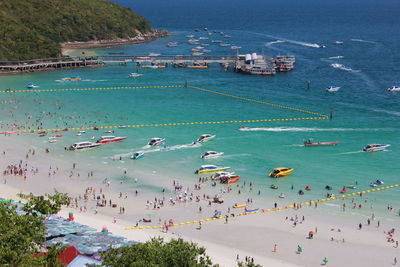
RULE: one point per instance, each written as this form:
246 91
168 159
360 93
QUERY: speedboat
373 185
155 141
73 79
83 145
321 45
137 155
211 154
210 168
110 139
243 128
230 179
280 172
310 142
394 89
135 75
205 137
81 132
375 147
30 85
281 195
337 42
234 47
332 89
217 175
351 186
52 140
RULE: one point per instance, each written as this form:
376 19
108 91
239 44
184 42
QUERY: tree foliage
23 235
157 252
34 28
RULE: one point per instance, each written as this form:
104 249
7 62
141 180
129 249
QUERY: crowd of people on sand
180 194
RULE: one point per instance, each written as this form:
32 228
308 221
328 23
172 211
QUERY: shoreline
139 39
252 235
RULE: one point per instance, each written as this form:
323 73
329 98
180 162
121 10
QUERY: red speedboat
110 139
310 142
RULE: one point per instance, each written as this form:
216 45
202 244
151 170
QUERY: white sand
251 235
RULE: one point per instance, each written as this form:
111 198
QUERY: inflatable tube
247 210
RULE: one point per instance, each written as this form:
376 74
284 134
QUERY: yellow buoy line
88 89
308 203
168 124
319 116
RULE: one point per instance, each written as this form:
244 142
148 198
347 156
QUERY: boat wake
342 67
274 42
168 148
363 41
336 57
302 129
352 152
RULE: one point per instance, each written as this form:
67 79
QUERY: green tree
23 235
157 252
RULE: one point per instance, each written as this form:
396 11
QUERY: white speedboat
137 155
394 89
155 141
332 89
81 132
338 42
281 195
217 175
234 47
205 137
375 147
211 154
210 168
135 75
83 145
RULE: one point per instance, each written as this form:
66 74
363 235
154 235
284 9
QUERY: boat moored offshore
280 172
110 139
83 145
310 142
210 168
394 89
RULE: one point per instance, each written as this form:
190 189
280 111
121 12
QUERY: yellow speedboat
281 171
210 168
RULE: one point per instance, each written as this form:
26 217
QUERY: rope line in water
308 203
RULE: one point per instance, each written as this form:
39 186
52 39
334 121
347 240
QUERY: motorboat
190 36
205 137
216 41
135 75
137 155
108 131
351 186
81 131
172 44
273 186
310 142
338 42
321 46
30 86
230 179
234 47
210 168
394 89
243 128
155 141
71 79
224 45
373 184
280 172
211 154
375 147
83 145
217 175
78 134
281 195
332 89
379 182
52 140
203 38
110 139
154 55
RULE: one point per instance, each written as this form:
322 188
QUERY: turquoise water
364 112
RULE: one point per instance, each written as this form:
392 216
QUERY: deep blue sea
365 65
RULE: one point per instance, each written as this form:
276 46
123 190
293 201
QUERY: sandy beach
335 237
